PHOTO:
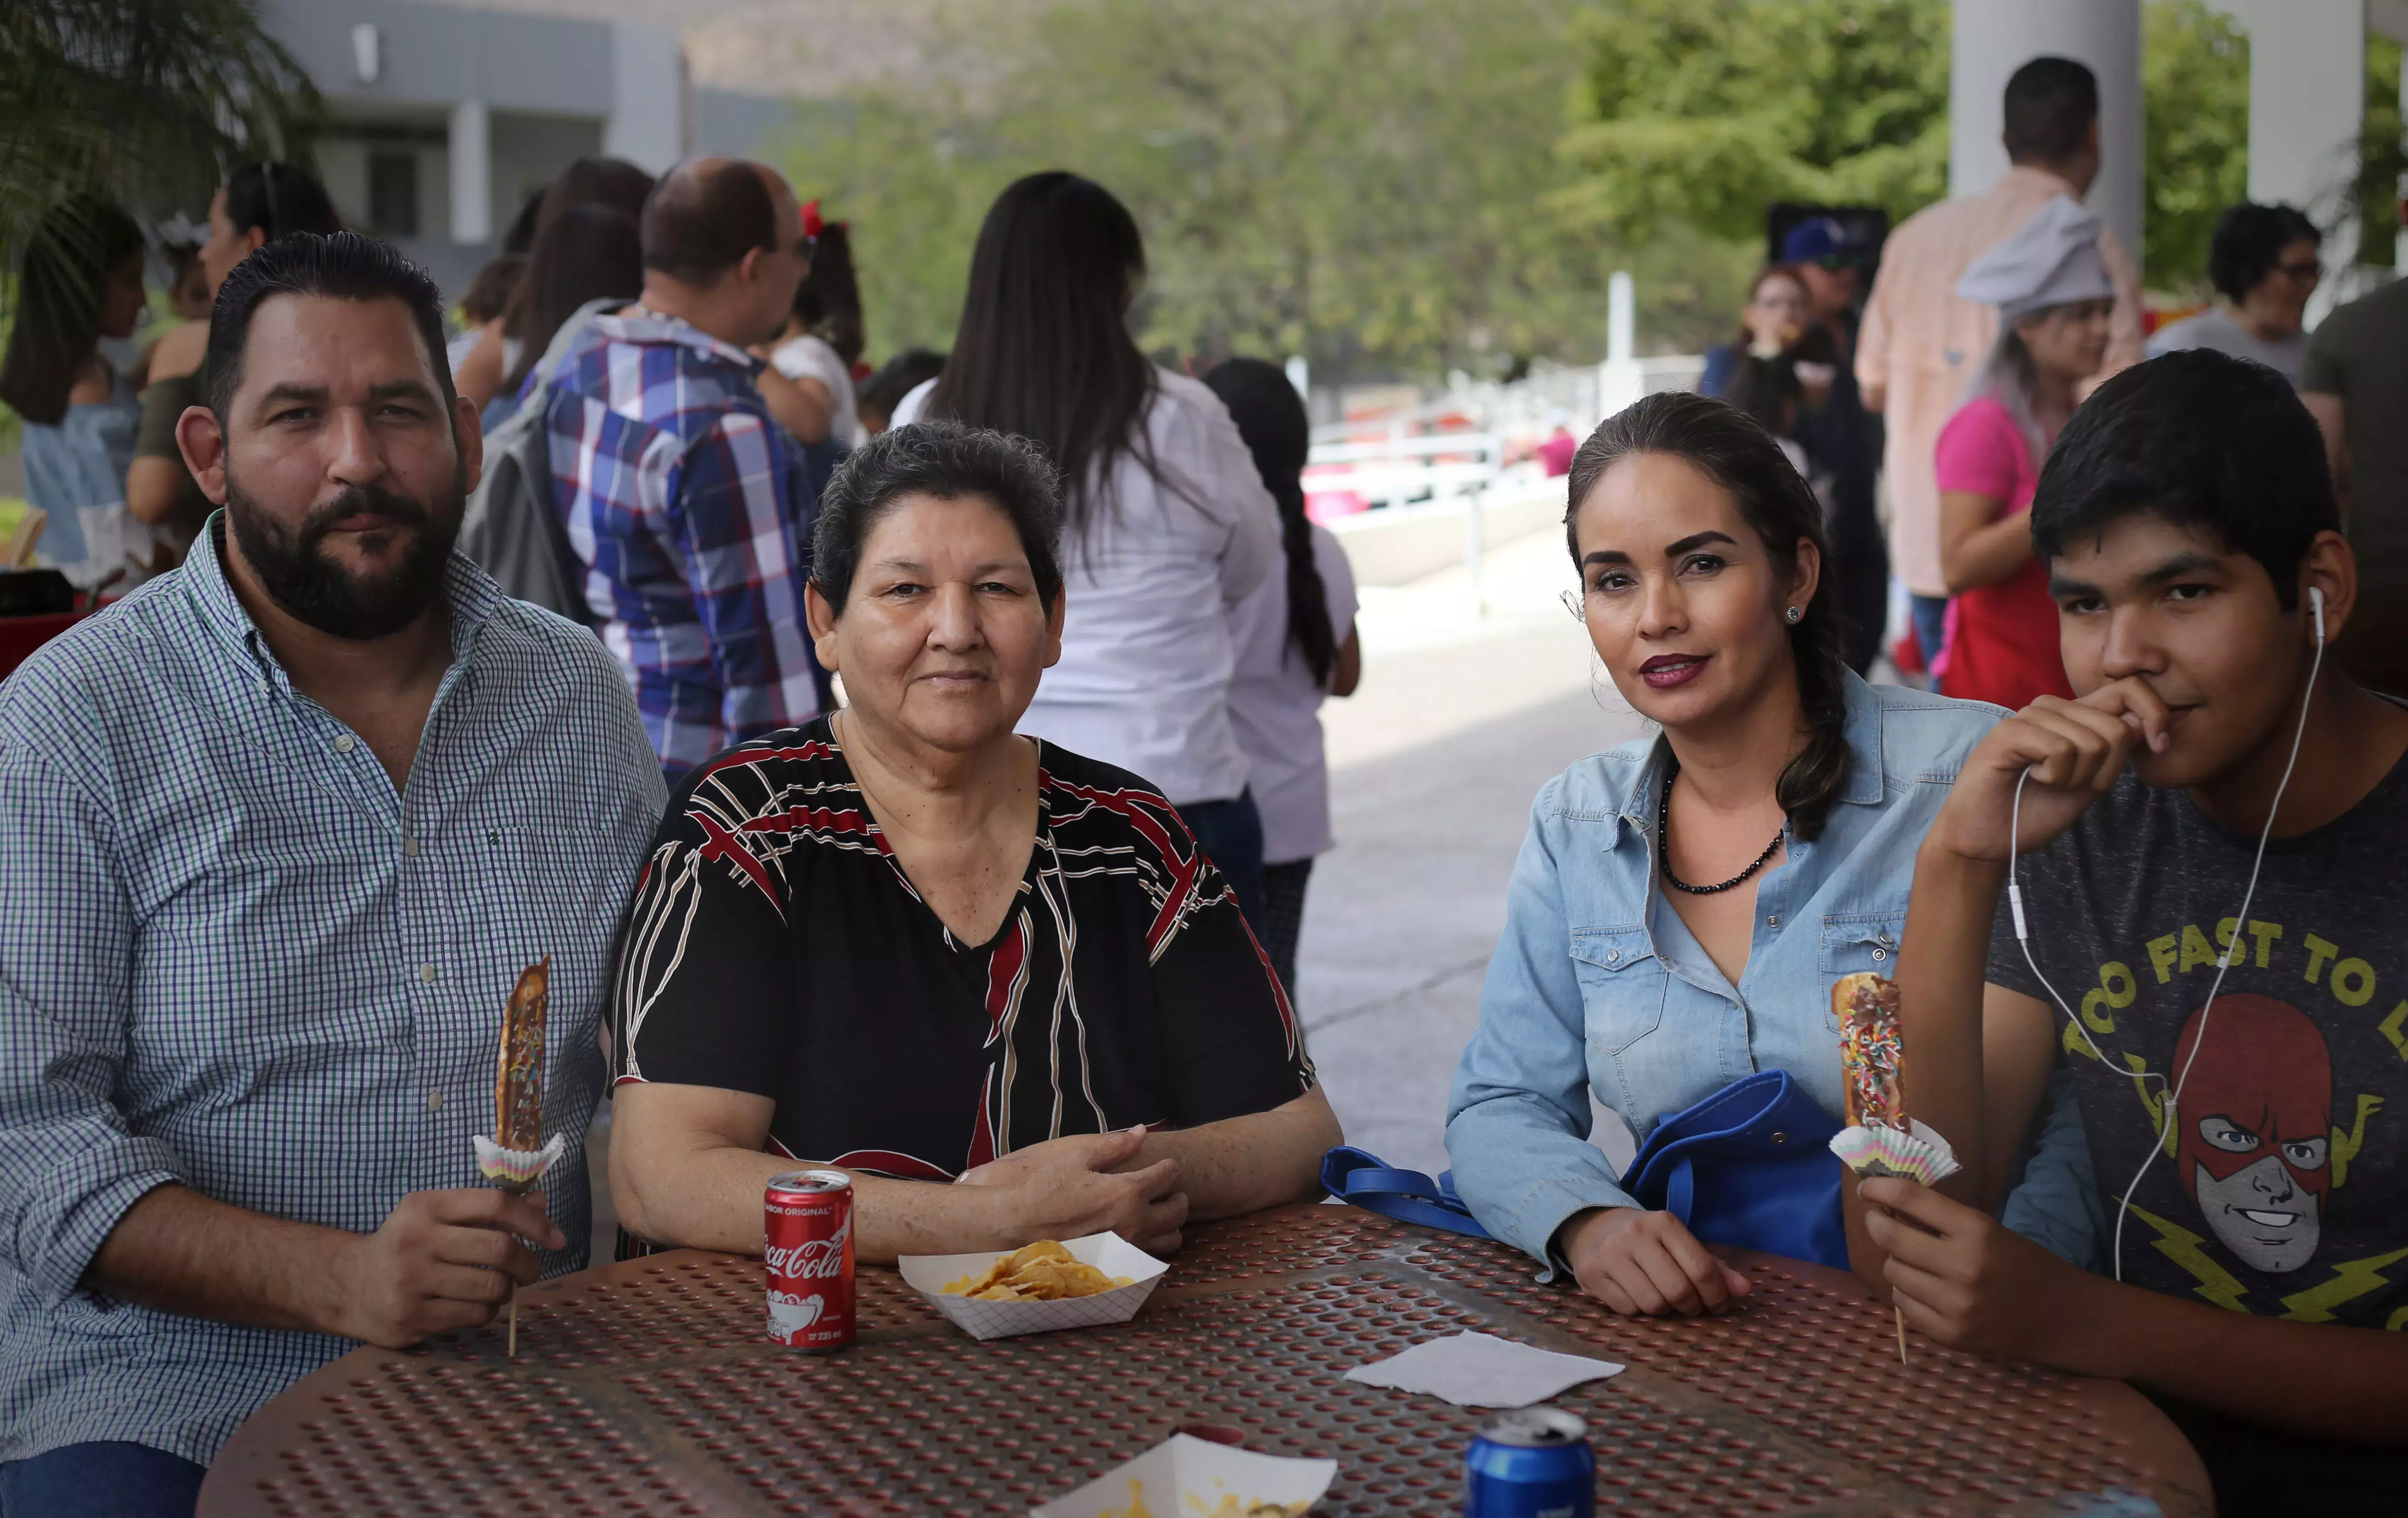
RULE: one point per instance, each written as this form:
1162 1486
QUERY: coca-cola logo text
815 1259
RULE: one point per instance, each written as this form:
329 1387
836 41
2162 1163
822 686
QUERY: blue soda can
1530 1463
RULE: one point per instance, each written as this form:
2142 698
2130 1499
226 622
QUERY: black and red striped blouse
775 946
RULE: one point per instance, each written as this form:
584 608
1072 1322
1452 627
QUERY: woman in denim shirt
1684 903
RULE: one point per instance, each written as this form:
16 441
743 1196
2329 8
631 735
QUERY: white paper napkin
1481 1370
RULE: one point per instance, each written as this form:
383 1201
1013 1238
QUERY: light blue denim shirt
1598 986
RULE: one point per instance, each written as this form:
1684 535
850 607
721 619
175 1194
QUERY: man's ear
2330 566
469 431
203 443
821 618
254 239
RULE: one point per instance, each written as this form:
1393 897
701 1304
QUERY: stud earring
1794 615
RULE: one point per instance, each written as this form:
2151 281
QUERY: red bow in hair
813 225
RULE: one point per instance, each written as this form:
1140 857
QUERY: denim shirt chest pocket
1858 943
1623 984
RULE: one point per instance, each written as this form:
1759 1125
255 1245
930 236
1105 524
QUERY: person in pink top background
2053 294
1921 341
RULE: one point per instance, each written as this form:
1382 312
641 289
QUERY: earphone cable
2171 1108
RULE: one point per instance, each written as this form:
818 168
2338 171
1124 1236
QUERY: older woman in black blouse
996 983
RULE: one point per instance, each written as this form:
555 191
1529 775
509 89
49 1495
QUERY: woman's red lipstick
1666 670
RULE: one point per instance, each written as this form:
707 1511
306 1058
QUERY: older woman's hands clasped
1079 1184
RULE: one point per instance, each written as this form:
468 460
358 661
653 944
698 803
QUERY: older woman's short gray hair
949 461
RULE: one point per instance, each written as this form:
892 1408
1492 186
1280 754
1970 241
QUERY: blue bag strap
1681 1189
1362 1179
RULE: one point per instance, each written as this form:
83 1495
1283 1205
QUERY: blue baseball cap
1816 239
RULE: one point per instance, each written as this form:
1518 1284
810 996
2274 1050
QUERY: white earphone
2173 1103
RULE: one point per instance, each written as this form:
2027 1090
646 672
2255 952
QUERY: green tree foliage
136 100
140 101
1700 113
2195 88
1372 183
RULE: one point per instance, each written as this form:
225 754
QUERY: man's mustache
361 500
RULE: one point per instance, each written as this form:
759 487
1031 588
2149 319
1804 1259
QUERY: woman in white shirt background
808 383
1167 525
1297 644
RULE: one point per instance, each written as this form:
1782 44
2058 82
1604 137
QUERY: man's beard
303 578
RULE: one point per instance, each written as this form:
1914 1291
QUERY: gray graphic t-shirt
2282 1189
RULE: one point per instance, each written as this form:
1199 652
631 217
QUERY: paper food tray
928 1275
1186 1477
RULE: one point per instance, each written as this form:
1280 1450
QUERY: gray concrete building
444 118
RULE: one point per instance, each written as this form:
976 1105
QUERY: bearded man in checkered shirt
285 825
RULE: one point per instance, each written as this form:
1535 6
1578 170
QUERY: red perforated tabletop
646 1387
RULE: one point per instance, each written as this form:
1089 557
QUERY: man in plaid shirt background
685 501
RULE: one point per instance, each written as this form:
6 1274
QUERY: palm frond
146 102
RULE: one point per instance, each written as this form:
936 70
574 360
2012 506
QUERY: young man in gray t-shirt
2221 791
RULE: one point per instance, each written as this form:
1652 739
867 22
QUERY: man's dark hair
2051 103
2248 243
280 200
2203 440
949 461
344 267
701 219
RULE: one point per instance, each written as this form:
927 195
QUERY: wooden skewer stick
514 1328
1894 1307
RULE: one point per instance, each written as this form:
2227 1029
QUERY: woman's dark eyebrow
1698 540
1605 556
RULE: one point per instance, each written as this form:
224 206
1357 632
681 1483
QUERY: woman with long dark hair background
81 281
1685 903
1297 643
258 204
1167 523
587 254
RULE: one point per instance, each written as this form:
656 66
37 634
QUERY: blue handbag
1352 1175
1750 1167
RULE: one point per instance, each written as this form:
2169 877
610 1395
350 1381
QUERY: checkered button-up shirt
232 956
688 504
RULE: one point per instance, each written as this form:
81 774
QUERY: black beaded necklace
1664 850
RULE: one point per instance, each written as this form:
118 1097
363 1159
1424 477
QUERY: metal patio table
648 1387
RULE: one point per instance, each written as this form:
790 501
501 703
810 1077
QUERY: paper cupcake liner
515 1170
1913 1153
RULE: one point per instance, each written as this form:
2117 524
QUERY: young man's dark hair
2203 439
2247 246
2050 104
949 461
699 224
345 266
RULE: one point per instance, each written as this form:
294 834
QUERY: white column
2307 103
471 173
647 122
1992 38
1620 380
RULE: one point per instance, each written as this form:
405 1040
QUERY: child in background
1295 643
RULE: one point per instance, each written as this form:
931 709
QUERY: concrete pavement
1459 721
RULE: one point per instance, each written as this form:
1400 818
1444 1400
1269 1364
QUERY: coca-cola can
808 1221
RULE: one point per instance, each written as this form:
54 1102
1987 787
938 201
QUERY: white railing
1450 452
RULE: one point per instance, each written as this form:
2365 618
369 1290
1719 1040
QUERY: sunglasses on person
2306 270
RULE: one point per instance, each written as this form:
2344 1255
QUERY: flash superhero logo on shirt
2255 1157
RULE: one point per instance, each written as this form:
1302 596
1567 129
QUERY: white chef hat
2051 260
